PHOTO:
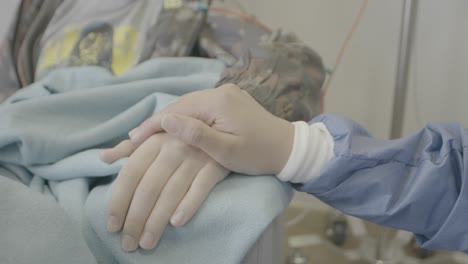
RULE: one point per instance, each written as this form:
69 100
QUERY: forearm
415 183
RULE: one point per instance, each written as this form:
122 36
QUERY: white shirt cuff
311 152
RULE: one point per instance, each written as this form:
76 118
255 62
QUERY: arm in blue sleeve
417 183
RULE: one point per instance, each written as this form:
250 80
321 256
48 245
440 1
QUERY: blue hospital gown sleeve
417 183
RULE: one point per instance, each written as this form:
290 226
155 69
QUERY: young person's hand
227 124
164 180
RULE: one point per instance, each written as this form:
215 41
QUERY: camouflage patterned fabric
282 74
276 68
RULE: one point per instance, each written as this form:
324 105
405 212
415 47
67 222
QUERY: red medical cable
342 51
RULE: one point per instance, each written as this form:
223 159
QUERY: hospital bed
268 247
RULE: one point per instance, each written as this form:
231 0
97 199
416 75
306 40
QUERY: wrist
284 143
311 152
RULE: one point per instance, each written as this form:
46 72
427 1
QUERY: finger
126 183
189 105
149 127
122 150
167 202
196 133
146 195
210 175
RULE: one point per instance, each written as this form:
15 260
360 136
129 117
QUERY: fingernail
178 218
103 158
113 224
147 241
134 134
129 243
170 124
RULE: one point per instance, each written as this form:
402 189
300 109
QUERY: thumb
196 133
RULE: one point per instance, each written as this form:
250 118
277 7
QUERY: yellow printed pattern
124 52
57 50
61 50
172 4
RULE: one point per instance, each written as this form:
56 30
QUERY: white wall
439 79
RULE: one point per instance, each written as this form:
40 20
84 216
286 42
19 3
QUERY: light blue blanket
50 137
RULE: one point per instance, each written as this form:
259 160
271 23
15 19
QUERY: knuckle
224 96
128 172
173 191
227 151
155 227
116 210
170 192
189 97
132 226
228 87
154 139
227 94
146 193
194 133
125 144
198 155
176 149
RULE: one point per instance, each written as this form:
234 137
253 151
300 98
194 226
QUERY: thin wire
243 16
241 7
342 51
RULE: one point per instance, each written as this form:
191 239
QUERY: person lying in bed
277 69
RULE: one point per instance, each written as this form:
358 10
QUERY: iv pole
404 58
401 89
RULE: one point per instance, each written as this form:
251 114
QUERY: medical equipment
297 258
361 245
